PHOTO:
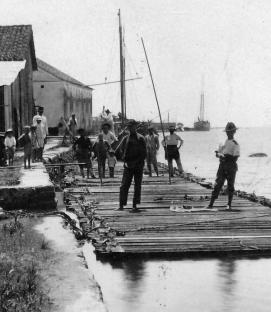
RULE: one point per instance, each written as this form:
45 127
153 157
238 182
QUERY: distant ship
201 124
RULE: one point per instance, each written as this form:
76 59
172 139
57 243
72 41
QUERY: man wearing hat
228 155
10 145
41 137
134 153
43 119
172 146
107 117
84 151
152 144
108 135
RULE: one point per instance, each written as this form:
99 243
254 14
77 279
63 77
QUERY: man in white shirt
172 146
41 137
43 119
10 145
107 134
228 155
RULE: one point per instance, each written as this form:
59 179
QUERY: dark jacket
134 149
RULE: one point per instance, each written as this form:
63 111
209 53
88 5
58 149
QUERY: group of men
136 148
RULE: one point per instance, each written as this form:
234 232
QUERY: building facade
61 95
17 63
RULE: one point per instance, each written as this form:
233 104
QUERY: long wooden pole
122 78
156 98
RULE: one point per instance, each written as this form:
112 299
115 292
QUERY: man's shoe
135 209
120 208
209 207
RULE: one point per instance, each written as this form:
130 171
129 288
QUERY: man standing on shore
42 123
134 154
228 155
152 144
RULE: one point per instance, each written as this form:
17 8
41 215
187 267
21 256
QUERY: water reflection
227 282
172 285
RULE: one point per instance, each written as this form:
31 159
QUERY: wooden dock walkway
157 230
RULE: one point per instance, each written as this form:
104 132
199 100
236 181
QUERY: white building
61 95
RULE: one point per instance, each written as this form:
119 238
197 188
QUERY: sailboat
201 124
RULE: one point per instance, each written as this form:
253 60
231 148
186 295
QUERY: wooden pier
157 230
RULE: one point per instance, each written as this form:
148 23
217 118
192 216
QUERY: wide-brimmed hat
107 111
131 123
230 127
26 127
9 130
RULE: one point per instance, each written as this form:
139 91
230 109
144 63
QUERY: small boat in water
201 124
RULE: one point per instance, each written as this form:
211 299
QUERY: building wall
50 96
61 99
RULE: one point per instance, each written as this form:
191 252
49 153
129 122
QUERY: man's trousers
128 175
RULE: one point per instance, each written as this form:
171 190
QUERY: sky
220 47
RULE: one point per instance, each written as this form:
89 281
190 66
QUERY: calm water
228 284
198 157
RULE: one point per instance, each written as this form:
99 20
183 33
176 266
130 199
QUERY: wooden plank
158 230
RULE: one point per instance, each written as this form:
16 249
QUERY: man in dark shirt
84 150
134 153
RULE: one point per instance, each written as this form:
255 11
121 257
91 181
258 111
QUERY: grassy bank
10 176
23 254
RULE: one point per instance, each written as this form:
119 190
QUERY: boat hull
202 125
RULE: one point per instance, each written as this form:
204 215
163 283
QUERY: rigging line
131 61
132 94
110 63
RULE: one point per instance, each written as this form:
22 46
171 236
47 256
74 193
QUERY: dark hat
131 123
107 111
106 124
230 127
41 108
171 127
81 130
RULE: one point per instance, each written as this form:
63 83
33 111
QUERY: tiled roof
15 41
58 74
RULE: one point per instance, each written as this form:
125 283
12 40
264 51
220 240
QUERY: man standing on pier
152 144
134 153
228 155
172 146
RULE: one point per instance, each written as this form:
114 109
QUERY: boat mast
122 72
201 115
